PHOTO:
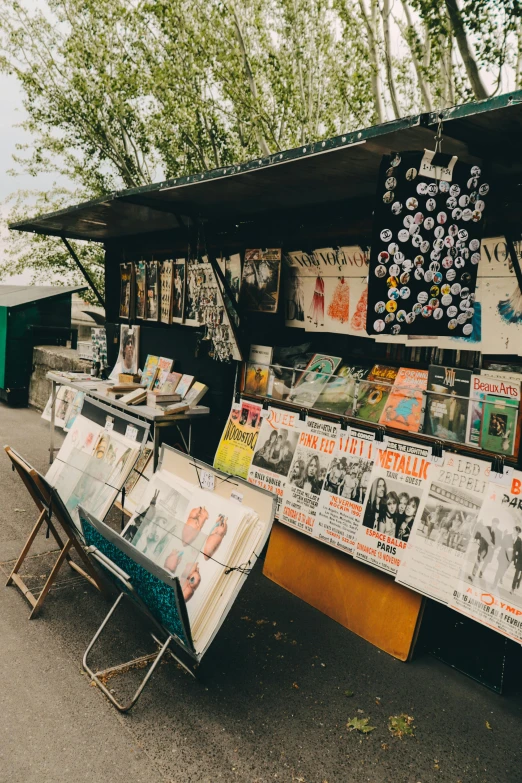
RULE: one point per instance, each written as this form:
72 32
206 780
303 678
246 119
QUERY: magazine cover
150 371
312 381
481 386
141 289
126 290
392 504
257 377
404 409
344 490
178 290
312 456
440 536
447 403
166 281
373 394
74 410
152 306
261 279
238 441
489 585
274 451
64 399
338 395
164 370
127 361
499 424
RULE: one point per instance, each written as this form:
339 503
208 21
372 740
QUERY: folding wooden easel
53 513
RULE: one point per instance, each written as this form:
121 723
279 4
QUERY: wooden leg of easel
88 571
50 580
27 547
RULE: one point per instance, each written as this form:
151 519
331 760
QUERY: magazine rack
53 513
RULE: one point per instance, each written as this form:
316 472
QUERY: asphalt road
275 693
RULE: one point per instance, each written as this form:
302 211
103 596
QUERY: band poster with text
392 504
442 530
344 490
313 455
489 586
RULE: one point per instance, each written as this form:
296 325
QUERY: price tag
264 413
381 445
427 169
109 423
207 480
235 495
131 432
504 479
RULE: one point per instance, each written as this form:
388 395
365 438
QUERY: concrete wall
46 358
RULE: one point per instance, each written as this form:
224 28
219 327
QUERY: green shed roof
17 295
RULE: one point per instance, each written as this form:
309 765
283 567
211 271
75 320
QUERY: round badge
390 183
394 270
428 276
456 214
467 329
399 257
484 189
462 318
444 187
403 235
459 262
413 229
463 200
380 307
379 325
419 260
434 302
390 172
383 256
388 197
424 246
453 230
463 234
408 221
437 277
395 329
449 241
419 274
475 171
395 160
429 223
412 203
392 248
439 244
410 317
385 235
451 202
401 315
454 190
411 174
464 292
475 258
393 293
396 208
442 218
391 306
455 288
473 196
432 189
418 218
480 205
464 252
464 306
445 289
389 318
422 188
474 244
476 215
472 183
426 311
447 262
422 297
404 278
416 309
404 292
452 324
467 214
465 277
446 300
431 204
392 282
380 271
407 264
451 275
416 240
452 311
439 232
438 313
434 266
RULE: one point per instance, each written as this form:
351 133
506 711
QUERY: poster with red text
274 451
342 497
312 456
392 504
489 585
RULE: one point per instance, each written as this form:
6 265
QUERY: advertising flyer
441 533
274 451
312 456
236 447
344 490
489 585
392 504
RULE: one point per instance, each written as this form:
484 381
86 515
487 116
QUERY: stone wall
46 358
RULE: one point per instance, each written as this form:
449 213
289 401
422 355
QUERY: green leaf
359 724
401 725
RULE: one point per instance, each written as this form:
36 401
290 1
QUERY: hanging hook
438 135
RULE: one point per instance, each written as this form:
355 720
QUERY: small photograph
308 471
261 279
449 524
152 303
178 290
127 361
391 509
275 449
349 479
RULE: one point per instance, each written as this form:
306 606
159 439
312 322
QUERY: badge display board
425 246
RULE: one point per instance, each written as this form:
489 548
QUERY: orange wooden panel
368 602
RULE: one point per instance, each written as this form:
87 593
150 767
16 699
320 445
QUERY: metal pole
84 272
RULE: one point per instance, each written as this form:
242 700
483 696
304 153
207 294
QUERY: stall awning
342 169
17 295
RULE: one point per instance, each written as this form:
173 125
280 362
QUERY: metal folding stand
164 647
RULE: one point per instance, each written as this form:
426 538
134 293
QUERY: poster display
275 447
346 483
312 456
238 441
392 504
442 530
489 586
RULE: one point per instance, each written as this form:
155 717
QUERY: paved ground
272 704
